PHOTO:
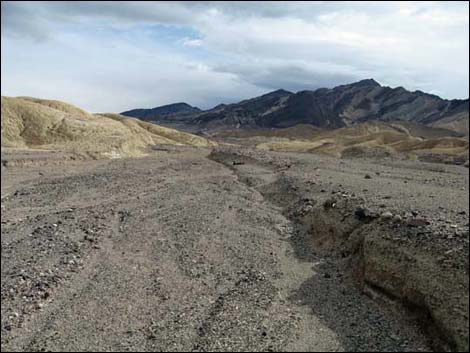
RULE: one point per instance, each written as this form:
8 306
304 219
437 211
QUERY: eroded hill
47 124
377 139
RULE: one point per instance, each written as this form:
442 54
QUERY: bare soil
202 250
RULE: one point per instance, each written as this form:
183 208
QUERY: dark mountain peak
164 111
220 106
179 105
274 94
362 85
279 92
266 99
175 107
320 91
366 82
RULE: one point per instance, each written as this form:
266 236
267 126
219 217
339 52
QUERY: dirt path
172 252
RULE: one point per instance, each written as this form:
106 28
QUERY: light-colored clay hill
31 123
377 139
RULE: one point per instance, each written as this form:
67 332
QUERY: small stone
363 213
386 215
397 218
417 222
367 176
330 203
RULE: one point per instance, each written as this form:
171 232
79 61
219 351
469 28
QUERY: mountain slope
45 124
456 119
176 111
334 108
343 106
245 113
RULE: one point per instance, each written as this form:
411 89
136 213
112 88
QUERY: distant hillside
334 108
177 111
46 124
456 119
342 106
247 113
379 139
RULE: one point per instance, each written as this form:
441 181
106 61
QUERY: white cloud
114 56
192 42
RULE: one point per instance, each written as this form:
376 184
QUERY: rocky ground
232 249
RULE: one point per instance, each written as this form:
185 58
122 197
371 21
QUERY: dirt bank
406 259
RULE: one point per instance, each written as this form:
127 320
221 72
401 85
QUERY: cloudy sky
120 55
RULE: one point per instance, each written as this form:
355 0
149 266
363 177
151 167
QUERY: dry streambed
401 262
119 255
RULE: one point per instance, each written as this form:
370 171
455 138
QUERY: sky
115 56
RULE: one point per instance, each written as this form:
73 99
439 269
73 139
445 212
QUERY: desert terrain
232 248
228 176
119 234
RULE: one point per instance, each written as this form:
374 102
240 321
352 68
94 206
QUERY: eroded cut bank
399 261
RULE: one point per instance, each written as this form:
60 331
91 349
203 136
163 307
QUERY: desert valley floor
232 248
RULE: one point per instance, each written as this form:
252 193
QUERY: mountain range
333 108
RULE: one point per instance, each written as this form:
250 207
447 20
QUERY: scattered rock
330 203
417 222
397 218
367 176
363 213
387 215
